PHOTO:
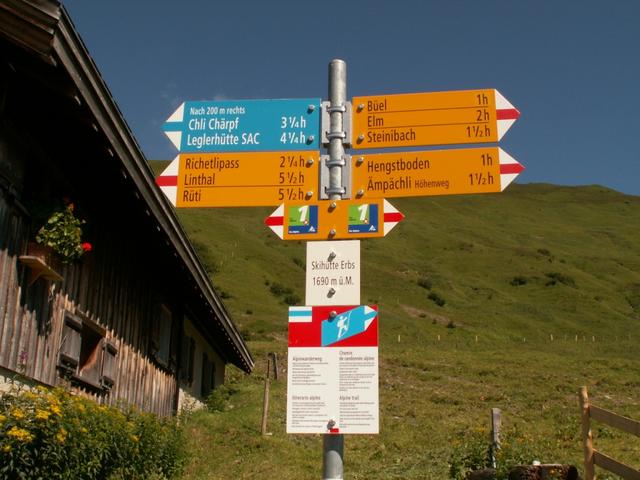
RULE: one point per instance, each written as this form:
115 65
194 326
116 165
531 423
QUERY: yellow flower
83 430
55 409
42 414
29 395
17 413
20 434
61 436
81 407
2 418
135 438
6 448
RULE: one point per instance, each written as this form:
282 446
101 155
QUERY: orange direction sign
438 118
434 172
241 179
339 220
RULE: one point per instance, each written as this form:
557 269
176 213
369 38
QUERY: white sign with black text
333 273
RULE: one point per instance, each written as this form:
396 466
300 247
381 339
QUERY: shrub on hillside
278 289
437 299
246 334
211 265
289 297
218 399
292 299
52 434
221 293
299 262
425 283
556 277
633 296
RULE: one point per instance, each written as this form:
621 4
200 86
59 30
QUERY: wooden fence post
275 365
587 438
496 423
265 402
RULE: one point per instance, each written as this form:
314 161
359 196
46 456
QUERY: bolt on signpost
266 153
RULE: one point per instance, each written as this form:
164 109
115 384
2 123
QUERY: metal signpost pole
333 444
336 134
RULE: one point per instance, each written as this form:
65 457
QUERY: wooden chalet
134 320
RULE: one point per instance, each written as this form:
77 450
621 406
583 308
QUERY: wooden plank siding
106 287
13 226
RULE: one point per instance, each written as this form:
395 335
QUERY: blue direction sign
347 324
245 125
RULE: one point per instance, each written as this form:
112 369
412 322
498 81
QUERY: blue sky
571 67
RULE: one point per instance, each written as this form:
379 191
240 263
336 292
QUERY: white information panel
332 390
332 375
333 273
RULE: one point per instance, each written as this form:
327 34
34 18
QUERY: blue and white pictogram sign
347 324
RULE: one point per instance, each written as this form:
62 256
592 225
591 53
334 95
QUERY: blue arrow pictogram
347 324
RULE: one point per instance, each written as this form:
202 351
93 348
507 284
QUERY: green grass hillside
534 260
511 300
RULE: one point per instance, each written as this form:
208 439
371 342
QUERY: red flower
86 246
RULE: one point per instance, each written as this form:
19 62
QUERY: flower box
43 252
42 261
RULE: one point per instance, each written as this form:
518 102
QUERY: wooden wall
111 287
119 284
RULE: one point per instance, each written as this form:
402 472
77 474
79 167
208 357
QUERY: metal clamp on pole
336 108
331 135
331 192
326 163
345 133
334 162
